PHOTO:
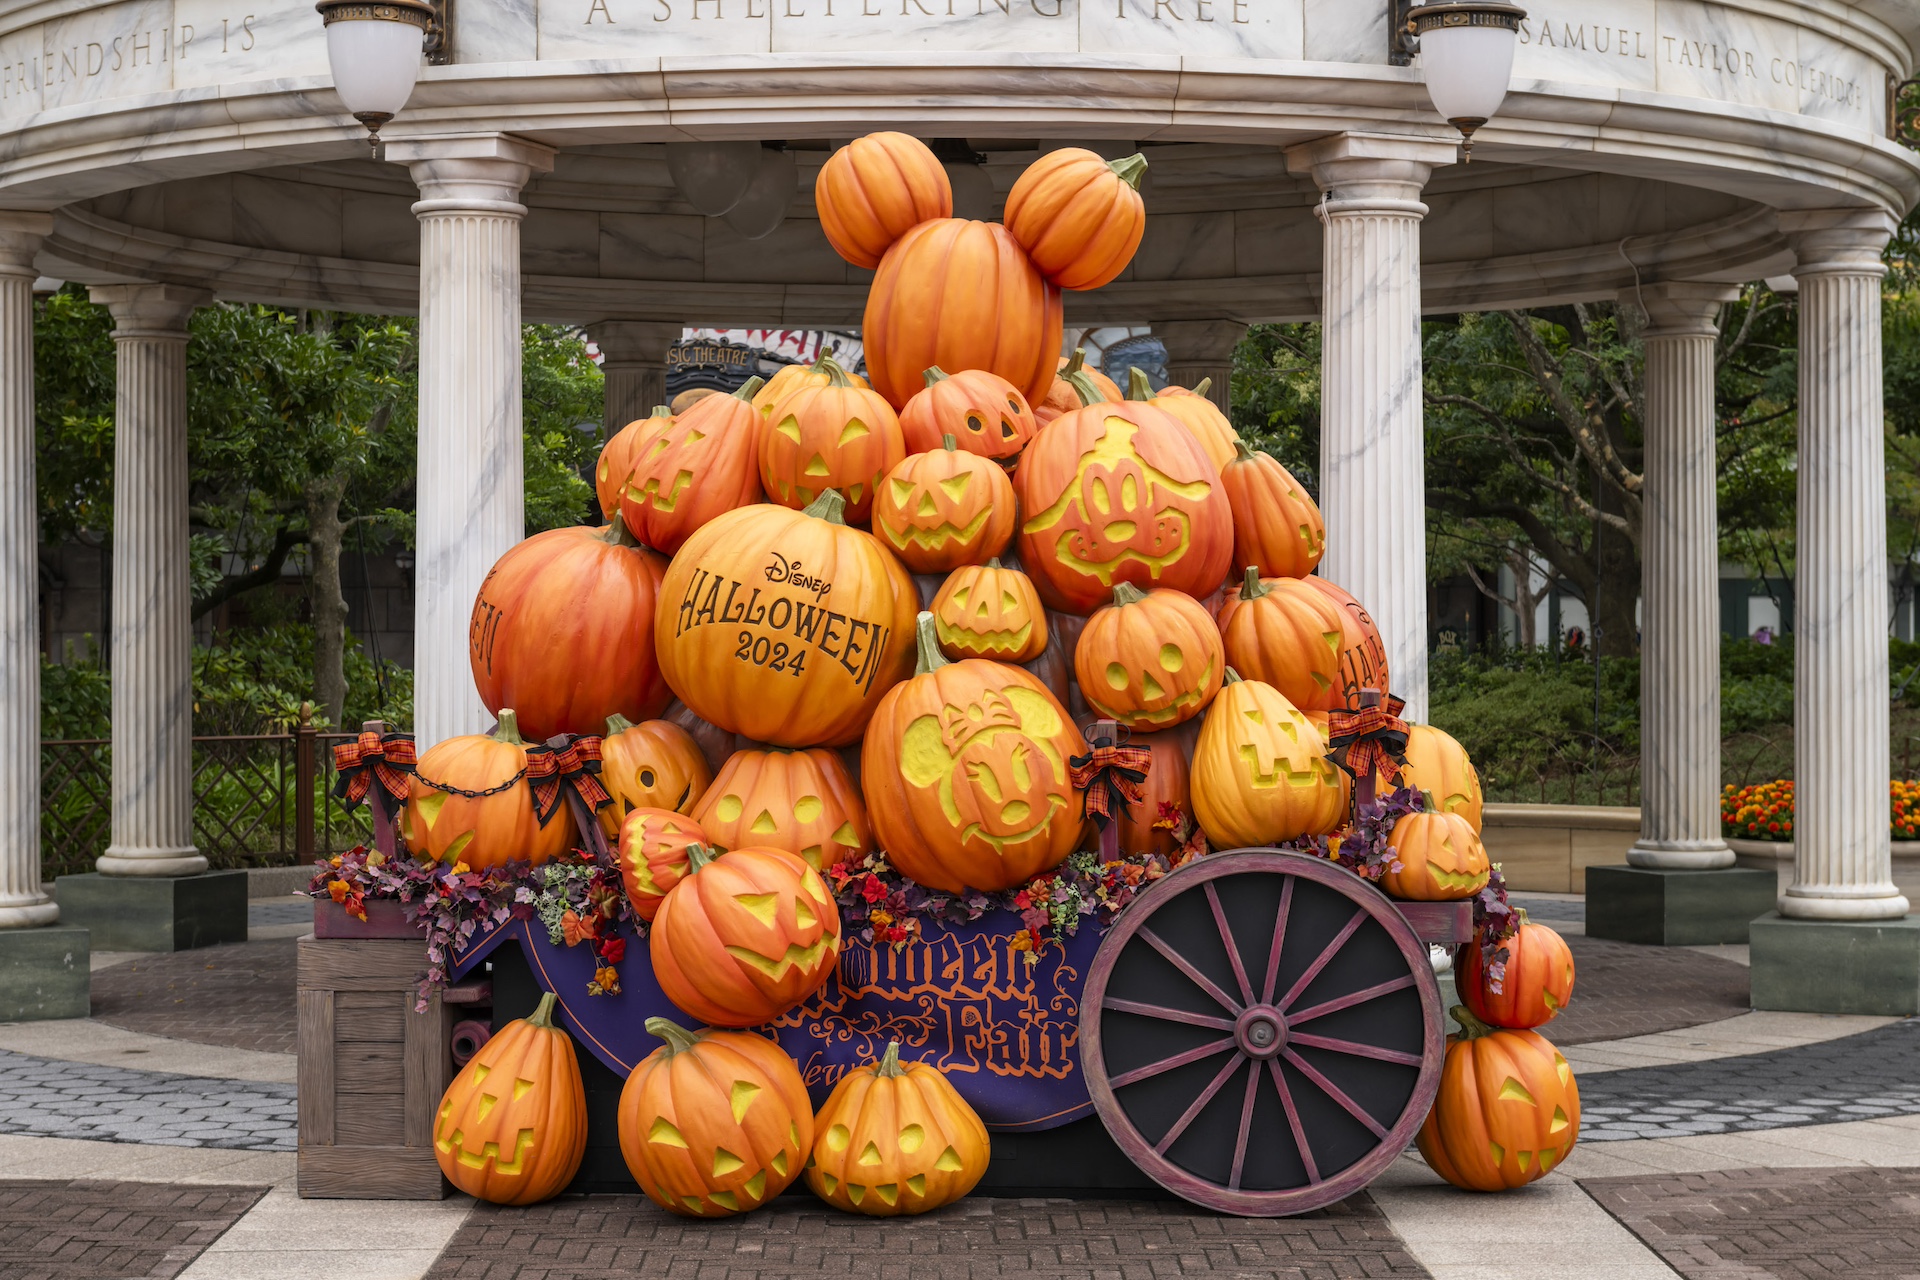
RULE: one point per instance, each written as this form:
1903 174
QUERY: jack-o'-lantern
987 611
1538 981
700 465
791 378
940 510
800 801
1075 386
786 626
1363 655
1508 1110
468 802
651 765
1439 766
714 1123
1194 412
616 459
1118 493
512 1127
966 772
652 855
1277 528
1079 215
896 1138
1260 770
744 936
1284 633
831 436
983 412
1150 660
1441 859
876 189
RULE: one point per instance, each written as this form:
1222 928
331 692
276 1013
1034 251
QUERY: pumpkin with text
1261 775
1508 1110
1150 660
940 510
800 801
1537 983
896 1138
512 1127
982 411
830 435
704 463
1363 654
468 802
989 611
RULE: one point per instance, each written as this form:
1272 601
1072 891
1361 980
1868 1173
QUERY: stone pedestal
43 973
1201 349
156 913
1664 908
634 364
1837 966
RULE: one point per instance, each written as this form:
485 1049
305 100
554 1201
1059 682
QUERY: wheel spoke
1246 1129
1348 1001
1185 966
1293 1120
1356 1050
1233 948
1152 1069
1333 1091
1279 937
1332 950
1167 1015
1188 1116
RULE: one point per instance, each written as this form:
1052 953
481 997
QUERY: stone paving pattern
1776 1224
1622 990
592 1237
86 1230
241 995
116 1104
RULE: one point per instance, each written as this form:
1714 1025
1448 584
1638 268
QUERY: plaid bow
1112 776
1374 737
578 764
372 758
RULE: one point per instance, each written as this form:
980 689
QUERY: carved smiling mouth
1000 843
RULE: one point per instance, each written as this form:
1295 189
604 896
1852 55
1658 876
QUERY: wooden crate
371 1070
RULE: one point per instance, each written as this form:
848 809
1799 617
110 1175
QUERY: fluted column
23 902
152 636
472 488
634 364
1680 584
1372 417
1843 869
1201 349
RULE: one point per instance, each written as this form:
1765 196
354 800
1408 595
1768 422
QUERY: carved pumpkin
786 626
714 1123
791 378
616 459
965 767
651 765
940 510
1069 392
1283 632
987 611
960 295
983 412
481 830
1197 414
1508 1109
1118 493
1441 859
896 1138
1079 216
876 189
653 855
745 936
1260 770
1439 766
800 801
1538 981
1277 528
1363 655
702 465
1150 660
716 744
831 436
574 590
512 1127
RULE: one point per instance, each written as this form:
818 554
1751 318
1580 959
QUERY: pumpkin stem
1206 385
950 442
1138 387
1125 593
1076 364
1240 451
1233 677
509 730
830 506
1253 588
617 723
836 376
542 1015
661 411
933 374
1471 1028
931 659
993 562
1075 376
1130 169
618 535
678 1038
889 1068
1426 798
699 856
1520 915
750 389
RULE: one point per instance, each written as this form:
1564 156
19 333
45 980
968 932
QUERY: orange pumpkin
1537 984
829 436
1260 771
875 190
982 411
494 826
789 379
987 611
1283 632
616 459
960 295
1118 493
1197 414
1438 765
574 590
1441 859
512 1127
1508 1109
940 510
966 772
1363 655
786 626
1079 216
800 801
702 465
651 765
653 855
896 1138
1064 396
1277 528
745 936
1150 660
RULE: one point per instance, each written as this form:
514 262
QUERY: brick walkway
239 995
59 1230
603 1237
116 1104
1622 990
1780 1224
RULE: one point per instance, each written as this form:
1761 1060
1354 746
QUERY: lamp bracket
1402 44
439 45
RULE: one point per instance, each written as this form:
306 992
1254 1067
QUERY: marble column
1680 584
1372 417
634 363
152 636
1843 868
23 901
1198 349
472 487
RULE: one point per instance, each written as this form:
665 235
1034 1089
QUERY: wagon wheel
1261 1033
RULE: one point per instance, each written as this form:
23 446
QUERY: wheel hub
1261 1031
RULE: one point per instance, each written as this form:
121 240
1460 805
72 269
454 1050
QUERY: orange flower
338 890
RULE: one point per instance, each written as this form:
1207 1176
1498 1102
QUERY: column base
156 913
1676 908
1705 856
185 861
1827 966
44 973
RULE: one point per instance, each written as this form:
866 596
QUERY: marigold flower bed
1764 811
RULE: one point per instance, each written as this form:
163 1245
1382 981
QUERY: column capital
1680 308
1838 241
150 310
634 343
1381 171
21 233
471 172
1199 341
